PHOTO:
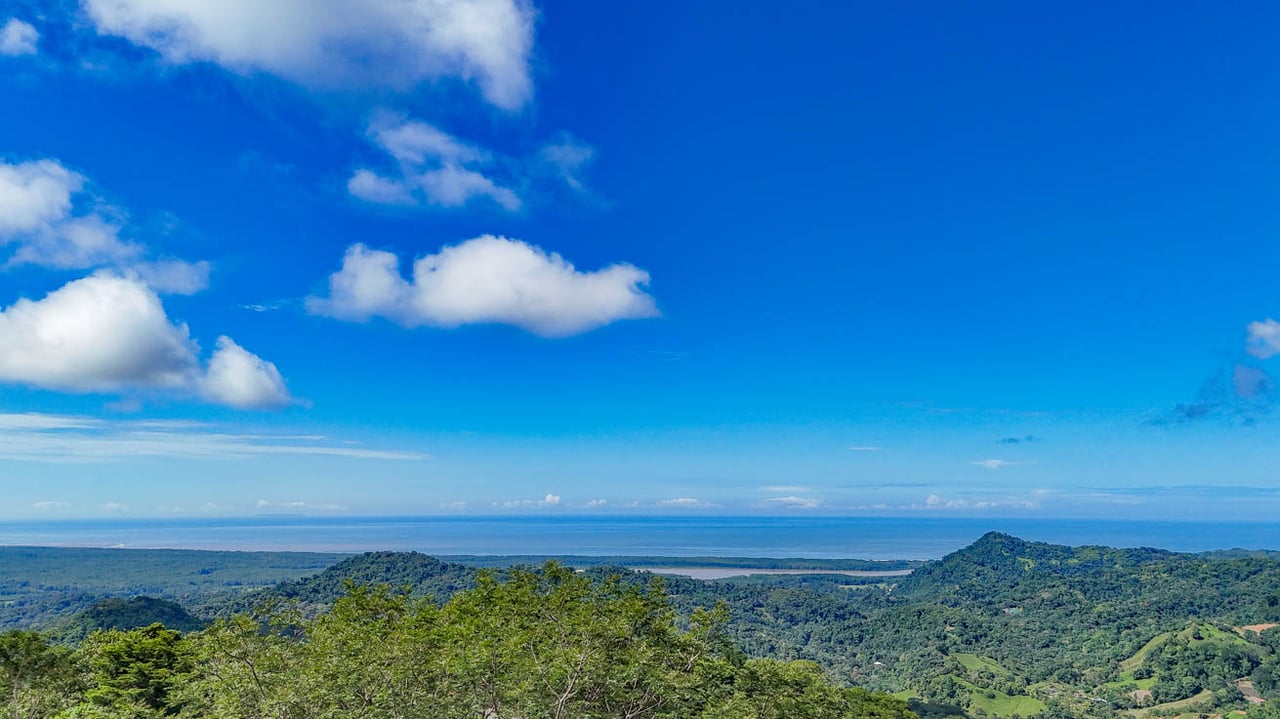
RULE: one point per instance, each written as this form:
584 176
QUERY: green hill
124 614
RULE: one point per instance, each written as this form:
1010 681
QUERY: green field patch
975 663
1204 697
1194 632
1135 661
1128 680
1005 705
997 703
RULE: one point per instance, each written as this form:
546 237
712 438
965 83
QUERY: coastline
693 539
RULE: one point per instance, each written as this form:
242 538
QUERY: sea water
673 536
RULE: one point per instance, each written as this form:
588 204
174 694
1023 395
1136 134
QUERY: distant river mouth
727 572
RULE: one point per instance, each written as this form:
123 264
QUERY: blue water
815 537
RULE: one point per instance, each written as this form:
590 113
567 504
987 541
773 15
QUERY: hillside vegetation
548 643
1003 628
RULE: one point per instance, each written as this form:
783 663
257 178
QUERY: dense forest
546 643
1003 628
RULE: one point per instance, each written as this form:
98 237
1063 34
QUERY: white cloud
1263 339
417 143
684 502
864 448
238 378
454 186
597 503
788 488
100 333
936 502
433 167
793 502
60 439
174 277
18 38
50 504
372 187
33 420
108 332
340 43
485 280
993 463
115 507
54 222
299 504
551 500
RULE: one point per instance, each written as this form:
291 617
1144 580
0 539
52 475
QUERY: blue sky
482 256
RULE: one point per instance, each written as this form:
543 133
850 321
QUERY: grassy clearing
999 703
1005 705
975 663
1204 632
1140 656
1147 683
1204 697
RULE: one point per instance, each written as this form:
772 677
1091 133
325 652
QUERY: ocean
685 536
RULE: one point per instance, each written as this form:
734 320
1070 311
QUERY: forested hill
997 558
1002 627
419 574
124 614
1153 583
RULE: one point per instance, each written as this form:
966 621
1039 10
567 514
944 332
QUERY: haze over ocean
809 537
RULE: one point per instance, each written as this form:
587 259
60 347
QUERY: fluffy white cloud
433 167
340 43
238 378
1263 339
108 332
103 332
485 280
54 222
18 38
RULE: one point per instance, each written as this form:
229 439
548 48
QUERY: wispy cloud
939 502
1263 339
784 488
793 502
551 500
1240 395
864 448
993 463
63 439
299 505
684 503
